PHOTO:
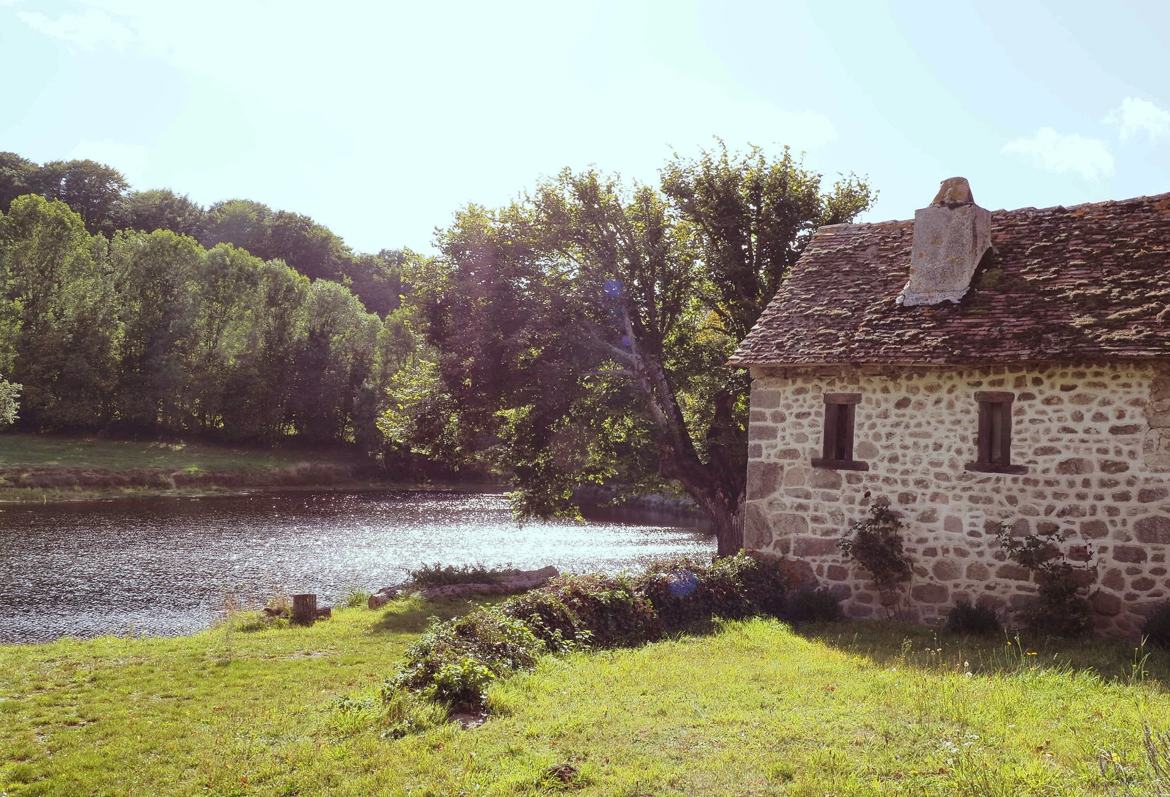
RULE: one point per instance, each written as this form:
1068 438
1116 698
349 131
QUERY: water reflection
168 566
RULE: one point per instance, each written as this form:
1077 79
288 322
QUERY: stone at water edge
382 597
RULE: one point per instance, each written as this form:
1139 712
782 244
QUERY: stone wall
1095 441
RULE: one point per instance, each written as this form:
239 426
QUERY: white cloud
89 28
1136 115
1064 153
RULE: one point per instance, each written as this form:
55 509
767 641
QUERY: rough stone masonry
1095 441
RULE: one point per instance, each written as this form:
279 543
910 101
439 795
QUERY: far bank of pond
172 565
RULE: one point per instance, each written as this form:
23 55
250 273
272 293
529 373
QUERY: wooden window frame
837 444
994 441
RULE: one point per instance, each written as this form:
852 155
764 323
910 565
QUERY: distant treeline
154 332
106 204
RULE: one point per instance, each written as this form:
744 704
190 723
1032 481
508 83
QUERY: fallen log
507 583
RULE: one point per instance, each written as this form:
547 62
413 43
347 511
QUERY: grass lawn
749 709
30 450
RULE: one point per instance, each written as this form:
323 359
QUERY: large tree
583 332
9 402
93 189
162 209
57 315
16 178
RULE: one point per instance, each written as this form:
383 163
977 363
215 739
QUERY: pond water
171 566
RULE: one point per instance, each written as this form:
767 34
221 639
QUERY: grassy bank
37 451
37 468
749 709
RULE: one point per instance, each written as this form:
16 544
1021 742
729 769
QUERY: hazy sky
379 119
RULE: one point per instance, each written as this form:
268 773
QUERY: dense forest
578 335
143 313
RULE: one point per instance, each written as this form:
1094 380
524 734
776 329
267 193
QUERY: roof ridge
1000 211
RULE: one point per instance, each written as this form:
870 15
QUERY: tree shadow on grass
894 644
411 614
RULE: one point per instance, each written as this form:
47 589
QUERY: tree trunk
727 523
716 486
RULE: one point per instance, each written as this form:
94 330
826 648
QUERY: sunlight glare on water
168 566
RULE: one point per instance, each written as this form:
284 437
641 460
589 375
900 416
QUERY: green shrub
1061 607
455 661
438 575
972 620
765 584
808 605
357 599
1157 628
549 618
608 608
685 592
875 543
679 590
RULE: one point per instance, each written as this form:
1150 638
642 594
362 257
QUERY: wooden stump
304 609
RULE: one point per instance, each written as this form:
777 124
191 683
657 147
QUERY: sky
381 119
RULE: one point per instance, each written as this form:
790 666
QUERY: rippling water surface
169 566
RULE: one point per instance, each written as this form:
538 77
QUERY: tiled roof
1061 284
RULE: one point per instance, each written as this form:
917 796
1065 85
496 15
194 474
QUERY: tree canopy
100 195
582 332
151 332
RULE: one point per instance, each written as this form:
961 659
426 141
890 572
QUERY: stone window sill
839 464
988 467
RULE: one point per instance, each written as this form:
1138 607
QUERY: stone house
974 368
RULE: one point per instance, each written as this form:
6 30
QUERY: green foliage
151 333
437 575
583 332
550 618
455 661
92 189
684 592
16 176
58 329
356 599
9 402
1156 629
809 605
609 608
875 542
970 619
162 209
1061 607
407 713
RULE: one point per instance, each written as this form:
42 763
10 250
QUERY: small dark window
994 444
837 451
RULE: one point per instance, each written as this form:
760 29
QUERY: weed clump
1157 627
437 575
808 605
968 619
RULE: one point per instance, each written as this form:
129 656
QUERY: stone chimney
950 238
